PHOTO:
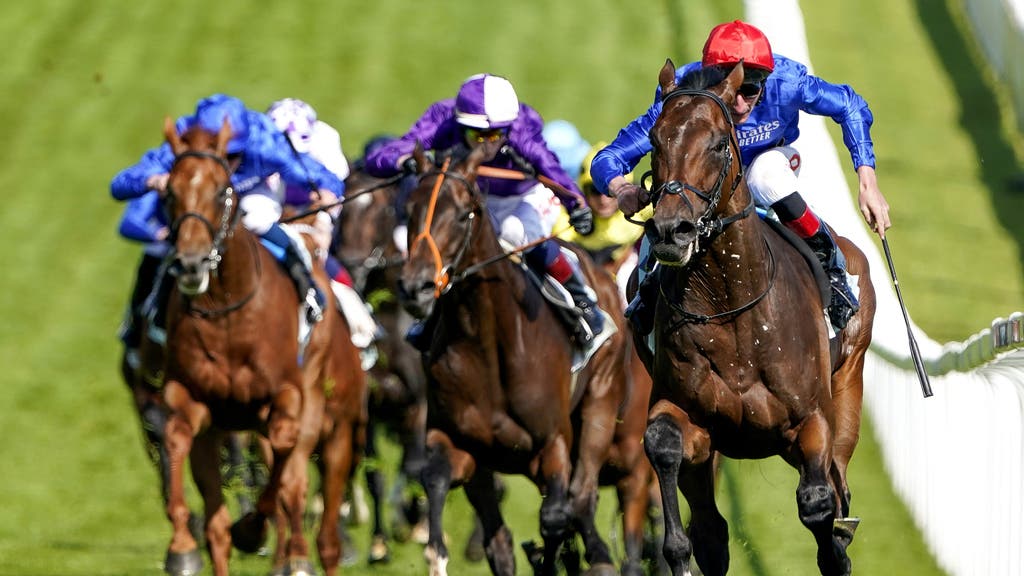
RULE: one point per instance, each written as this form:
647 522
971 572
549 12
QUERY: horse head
200 203
695 163
364 242
446 213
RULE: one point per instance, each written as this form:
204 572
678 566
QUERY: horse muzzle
192 272
417 297
673 242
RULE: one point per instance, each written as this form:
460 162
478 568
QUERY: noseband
228 216
706 225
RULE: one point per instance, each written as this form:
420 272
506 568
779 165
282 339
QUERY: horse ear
172 136
223 137
732 83
480 154
667 77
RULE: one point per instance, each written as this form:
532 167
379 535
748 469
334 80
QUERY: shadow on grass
979 116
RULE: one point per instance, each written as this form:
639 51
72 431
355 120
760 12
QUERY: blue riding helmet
565 141
210 114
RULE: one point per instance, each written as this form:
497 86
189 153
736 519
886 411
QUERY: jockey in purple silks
257 150
775 90
487 109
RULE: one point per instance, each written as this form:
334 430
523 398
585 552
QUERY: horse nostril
684 231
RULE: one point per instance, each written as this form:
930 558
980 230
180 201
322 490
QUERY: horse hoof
183 563
474 551
601 570
420 532
379 552
249 533
845 527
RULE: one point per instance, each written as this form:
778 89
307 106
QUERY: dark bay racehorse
365 244
742 362
232 363
501 396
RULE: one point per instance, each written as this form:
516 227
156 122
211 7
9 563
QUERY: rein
348 198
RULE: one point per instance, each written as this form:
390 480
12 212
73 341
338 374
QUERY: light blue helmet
565 141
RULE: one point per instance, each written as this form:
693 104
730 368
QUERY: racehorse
501 393
365 244
233 362
741 361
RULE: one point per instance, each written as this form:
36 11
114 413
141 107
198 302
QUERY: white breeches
772 175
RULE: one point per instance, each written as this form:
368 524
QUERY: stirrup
314 311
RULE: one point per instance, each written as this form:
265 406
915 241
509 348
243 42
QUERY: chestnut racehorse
233 362
742 362
501 393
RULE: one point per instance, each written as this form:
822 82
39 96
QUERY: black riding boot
844 304
309 293
640 311
593 320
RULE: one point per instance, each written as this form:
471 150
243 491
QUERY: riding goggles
486 135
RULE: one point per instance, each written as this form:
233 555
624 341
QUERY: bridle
443 279
707 226
229 214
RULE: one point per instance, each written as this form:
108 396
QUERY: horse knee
663 441
816 504
555 518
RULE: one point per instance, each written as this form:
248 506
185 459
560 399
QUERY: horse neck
733 267
494 286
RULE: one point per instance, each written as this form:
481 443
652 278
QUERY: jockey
257 149
143 221
614 237
766 111
309 135
487 109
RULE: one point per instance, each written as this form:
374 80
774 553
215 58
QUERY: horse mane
702 78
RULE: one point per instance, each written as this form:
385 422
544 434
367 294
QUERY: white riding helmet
296 119
486 101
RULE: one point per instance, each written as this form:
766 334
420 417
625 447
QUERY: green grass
87 84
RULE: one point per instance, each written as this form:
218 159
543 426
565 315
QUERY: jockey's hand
324 197
628 196
582 219
872 204
157 182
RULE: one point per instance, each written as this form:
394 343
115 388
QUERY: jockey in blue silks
775 90
143 221
257 149
487 109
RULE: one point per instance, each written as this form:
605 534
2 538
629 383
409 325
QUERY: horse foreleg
436 478
816 499
205 463
183 552
667 448
598 430
497 538
337 461
379 551
555 510
708 529
634 498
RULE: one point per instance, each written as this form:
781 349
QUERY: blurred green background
85 88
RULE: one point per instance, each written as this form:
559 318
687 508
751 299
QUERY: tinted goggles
491 135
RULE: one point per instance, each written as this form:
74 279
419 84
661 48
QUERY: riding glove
582 219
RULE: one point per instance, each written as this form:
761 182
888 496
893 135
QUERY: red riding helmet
734 41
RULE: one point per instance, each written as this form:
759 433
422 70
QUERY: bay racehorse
741 360
364 242
501 393
233 363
